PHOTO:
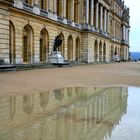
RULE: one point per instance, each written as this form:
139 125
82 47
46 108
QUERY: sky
134 6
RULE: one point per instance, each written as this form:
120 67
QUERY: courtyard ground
32 81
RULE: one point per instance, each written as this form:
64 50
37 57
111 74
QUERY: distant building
92 30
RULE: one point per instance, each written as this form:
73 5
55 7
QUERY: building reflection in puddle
71 113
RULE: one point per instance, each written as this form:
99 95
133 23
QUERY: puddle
77 113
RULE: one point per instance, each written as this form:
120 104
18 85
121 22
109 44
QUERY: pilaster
92 12
97 10
64 8
105 15
72 10
101 18
87 12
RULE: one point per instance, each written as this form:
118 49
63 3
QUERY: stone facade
92 30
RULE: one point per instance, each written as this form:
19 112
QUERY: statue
57 42
56 58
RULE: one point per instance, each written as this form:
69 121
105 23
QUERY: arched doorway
70 48
77 51
12 50
27 49
96 51
44 45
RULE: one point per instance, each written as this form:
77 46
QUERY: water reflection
69 113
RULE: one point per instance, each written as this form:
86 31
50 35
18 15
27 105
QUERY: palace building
91 30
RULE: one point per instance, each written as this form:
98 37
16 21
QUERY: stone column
105 21
101 18
87 12
97 6
92 12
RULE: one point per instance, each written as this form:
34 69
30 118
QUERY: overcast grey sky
134 6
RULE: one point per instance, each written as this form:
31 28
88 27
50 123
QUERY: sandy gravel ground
28 82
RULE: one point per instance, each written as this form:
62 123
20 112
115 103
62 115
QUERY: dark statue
57 42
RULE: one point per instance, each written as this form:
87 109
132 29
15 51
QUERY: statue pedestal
56 58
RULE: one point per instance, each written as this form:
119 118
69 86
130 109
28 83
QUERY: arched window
12 52
44 47
100 51
104 52
112 53
27 49
77 49
111 28
70 48
62 47
96 51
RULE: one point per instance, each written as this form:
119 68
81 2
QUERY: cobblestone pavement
32 81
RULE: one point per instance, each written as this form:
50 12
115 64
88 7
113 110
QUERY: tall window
76 11
43 45
12 53
96 51
43 4
70 49
68 9
27 44
62 47
25 56
59 7
77 49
